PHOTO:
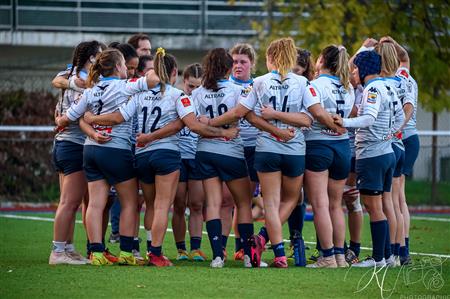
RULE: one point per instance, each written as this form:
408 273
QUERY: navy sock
345 246
237 244
245 231
378 230
328 252
196 243
103 242
294 220
387 243
407 245
156 250
397 249
88 248
264 234
302 217
224 241
278 249
97 247
338 250
126 243
318 247
355 247
402 252
181 245
392 248
136 244
214 229
149 245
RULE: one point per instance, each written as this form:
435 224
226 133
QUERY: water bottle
299 250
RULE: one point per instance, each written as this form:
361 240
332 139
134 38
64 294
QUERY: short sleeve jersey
335 99
212 103
290 94
156 110
106 97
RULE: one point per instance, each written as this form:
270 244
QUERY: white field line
431 218
35 218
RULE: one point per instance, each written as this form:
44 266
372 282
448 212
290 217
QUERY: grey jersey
213 103
352 131
397 85
286 95
72 132
247 132
335 99
375 140
106 97
411 97
156 110
188 141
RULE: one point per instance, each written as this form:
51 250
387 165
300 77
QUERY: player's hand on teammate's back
231 133
101 137
80 82
88 117
286 134
268 112
152 79
203 119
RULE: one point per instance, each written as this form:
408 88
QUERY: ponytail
105 65
283 54
164 64
217 64
336 61
389 60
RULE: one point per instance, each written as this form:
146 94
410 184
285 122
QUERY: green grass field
26 244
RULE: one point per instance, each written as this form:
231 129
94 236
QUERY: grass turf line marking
431 219
35 218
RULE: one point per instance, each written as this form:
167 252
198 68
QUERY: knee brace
351 198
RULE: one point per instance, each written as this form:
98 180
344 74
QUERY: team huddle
233 149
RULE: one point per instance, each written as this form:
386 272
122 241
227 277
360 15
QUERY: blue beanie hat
368 63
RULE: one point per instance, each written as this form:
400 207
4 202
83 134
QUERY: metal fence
201 17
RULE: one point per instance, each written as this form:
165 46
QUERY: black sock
149 245
245 231
387 243
278 249
355 247
97 247
136 244
214 229
126 243
156 250
263 233
237 244
294 220
181 245
195 243
378 230
224 241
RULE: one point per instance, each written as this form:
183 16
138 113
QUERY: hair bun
161 51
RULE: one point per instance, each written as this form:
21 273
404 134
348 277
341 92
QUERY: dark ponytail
216 64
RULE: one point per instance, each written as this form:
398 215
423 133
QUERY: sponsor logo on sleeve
371 98
185 102
313 91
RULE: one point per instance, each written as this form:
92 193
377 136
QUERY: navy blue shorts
227 168
249 153
375 174
189 170
412 146
157 162
67 157
289 165
352 164
399 160
334 156
114 165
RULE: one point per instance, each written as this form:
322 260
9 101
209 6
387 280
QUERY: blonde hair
335 60
105 65
283 54
164 64
389 59
244 49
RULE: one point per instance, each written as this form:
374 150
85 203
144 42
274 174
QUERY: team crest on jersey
185 102
246 91
372 98
313 91
404 73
